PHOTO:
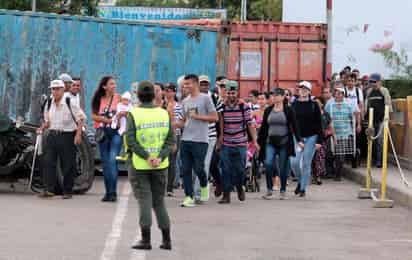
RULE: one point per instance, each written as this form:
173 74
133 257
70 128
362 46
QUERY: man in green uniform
150 139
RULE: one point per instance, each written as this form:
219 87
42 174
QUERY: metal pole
329 42
385 153
33 5
369 163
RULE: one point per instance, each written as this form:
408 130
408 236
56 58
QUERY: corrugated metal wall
36 48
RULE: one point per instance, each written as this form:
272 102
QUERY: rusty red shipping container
263 55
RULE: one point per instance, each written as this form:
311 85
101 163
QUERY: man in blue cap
377 97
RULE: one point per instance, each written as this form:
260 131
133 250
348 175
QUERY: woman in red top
104 105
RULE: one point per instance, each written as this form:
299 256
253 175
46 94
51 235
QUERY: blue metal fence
36 47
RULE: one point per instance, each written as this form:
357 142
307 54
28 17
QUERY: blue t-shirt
342 116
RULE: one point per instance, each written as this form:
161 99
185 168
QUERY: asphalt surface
330 223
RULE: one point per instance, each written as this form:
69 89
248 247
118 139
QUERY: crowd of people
194 135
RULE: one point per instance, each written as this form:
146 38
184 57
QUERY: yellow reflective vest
152 128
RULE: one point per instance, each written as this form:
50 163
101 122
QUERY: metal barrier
368 192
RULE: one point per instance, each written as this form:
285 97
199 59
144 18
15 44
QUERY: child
119 120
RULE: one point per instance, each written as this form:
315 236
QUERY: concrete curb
401 195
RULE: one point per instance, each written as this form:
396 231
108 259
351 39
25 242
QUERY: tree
398 62
84 7
257 9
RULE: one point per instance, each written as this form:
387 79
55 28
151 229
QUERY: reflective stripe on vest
152 128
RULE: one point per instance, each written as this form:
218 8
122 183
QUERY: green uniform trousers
149 188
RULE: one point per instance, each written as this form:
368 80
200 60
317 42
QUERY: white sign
250 64
157 13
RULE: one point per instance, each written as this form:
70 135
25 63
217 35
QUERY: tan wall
401 127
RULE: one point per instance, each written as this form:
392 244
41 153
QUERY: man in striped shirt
235 125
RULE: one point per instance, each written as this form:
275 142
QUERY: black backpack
357 94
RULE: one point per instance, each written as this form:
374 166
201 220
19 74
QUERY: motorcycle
17 152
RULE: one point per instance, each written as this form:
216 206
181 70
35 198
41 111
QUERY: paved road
329 224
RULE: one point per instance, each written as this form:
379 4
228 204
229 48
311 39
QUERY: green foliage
399 88
398 62
85 7
400 85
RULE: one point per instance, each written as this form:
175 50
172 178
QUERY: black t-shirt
376 100
308 118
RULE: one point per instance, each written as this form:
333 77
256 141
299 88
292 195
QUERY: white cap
66 78
306 84
340 89
56 84
127 95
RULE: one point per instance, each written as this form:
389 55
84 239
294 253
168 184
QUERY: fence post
365 193
382 202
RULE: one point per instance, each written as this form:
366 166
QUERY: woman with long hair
104 105
276 136
174 108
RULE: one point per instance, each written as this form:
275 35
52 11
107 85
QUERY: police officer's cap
145 86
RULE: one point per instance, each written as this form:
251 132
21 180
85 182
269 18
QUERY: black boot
144 244
240 193
166 241
225 199
297 190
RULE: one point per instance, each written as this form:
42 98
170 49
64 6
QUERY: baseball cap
204 78
145 85
365 77
340 90
278 92
57 83
375 77
66 78
305 84
232 85
127 95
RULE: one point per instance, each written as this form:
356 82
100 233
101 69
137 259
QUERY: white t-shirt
122 124
351 96
73 99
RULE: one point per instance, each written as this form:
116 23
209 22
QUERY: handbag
277 140
100 133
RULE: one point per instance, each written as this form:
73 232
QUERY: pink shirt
112 109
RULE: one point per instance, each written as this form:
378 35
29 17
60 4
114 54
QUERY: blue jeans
303 171
271 166
208 159
193 158
233 166
110 148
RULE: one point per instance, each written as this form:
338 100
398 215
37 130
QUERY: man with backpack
64 122
355 96
236 127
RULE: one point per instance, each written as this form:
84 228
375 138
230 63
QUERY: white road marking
114 236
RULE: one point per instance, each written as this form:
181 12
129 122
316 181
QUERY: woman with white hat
308 117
